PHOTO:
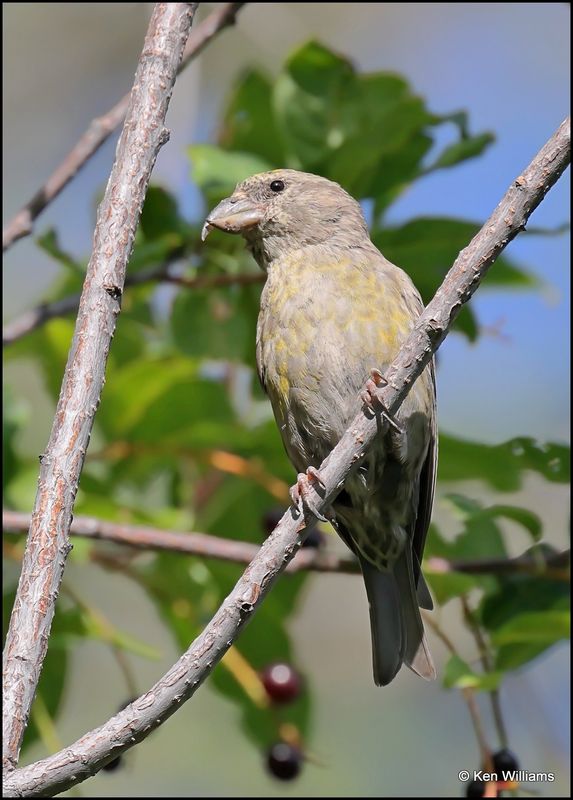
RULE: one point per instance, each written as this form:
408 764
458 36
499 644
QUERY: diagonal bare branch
48 540
88 754
101 129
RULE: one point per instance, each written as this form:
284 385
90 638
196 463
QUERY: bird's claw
371 398
300 493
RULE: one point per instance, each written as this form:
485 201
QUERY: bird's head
285 210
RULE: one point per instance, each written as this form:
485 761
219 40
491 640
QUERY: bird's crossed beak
234 214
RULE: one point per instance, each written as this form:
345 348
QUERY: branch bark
87 755
101 129
48 541
144 537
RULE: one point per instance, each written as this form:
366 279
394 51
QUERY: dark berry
475 789
284 761
282 682
504 761
111 766
314 539
271 519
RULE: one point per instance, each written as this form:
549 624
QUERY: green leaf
315 102
177 417
49 243
480 537
534 627
162 402
135 388
458 118
469 147
447 585
458 674
217 324
218 171
519 594
356 163
513 656
516 613
380 92
474 514
318 70
160 214
396 170
156 251
130 341
502 466
49 346
22 486
525 518
12 423
428 246
184 592
249 123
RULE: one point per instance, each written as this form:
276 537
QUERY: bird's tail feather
388 643
423 593
395 620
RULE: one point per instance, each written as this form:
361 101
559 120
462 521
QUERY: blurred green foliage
184 438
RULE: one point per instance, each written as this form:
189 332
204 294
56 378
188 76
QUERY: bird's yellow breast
329 321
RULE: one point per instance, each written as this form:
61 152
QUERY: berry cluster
283 685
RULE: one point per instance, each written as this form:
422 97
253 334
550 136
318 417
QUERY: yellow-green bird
334 312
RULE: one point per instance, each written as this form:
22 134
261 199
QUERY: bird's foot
301 493
371 398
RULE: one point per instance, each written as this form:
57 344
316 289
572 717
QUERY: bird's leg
301 492
371 398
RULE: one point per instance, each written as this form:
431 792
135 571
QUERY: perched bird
334 313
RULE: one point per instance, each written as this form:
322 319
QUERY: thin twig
487 665
469 696
101 129
87 755
432 623
145 537
61 465
126 670
36 317
555 566
500 726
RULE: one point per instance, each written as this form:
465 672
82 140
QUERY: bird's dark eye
277 186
